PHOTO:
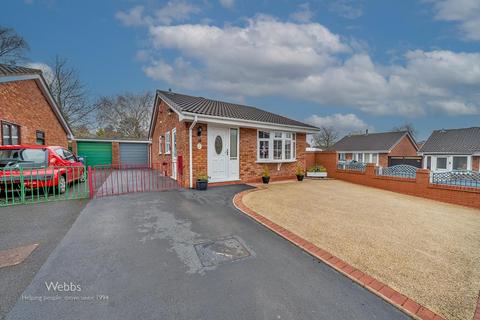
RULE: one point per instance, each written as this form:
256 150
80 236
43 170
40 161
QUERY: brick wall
22 103
166 121
419 187
251 171
115 153
476 163
404 148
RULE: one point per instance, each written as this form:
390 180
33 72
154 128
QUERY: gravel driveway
427 250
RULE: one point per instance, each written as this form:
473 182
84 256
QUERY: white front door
223 158
174 153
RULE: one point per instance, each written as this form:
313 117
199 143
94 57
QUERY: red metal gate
108 180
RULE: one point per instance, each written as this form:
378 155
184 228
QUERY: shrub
300 171
202 176
266 172
317 168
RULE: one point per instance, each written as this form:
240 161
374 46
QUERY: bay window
276 146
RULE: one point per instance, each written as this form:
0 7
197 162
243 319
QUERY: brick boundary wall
419 186
398 300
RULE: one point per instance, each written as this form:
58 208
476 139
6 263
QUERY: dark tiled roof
456 141
383 141
8 70
203 106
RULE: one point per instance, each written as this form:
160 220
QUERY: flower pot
300 177
317 174
265 180
202 184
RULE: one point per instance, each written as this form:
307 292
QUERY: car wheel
62 185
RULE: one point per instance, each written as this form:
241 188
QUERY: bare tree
325 138
407 126
70 94
126 115
12 46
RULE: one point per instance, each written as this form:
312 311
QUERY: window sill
276 161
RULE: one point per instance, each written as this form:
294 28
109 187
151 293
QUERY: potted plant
265 175
317 171
300 173
202 181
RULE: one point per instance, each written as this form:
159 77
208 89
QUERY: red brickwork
167 120
250 170
23 103
115 153
419 187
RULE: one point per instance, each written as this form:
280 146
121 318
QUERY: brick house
383 149
228 142
453 149
28 112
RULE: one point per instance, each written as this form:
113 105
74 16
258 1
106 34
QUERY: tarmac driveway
153 256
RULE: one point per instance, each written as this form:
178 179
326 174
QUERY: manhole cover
219 251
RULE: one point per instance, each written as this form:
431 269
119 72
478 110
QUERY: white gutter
190 160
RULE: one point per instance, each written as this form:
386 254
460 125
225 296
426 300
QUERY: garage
412 161
133 153
95 152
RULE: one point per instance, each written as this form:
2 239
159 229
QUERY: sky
354 65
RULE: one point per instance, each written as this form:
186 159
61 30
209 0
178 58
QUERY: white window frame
160 144
342 156
167 142
284 139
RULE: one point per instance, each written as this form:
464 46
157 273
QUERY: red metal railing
107 180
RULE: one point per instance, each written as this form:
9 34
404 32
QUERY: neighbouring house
226 141
452 149
28 112
384 149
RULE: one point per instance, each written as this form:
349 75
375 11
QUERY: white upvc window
375 158
160 144
276 146
342 156
167 142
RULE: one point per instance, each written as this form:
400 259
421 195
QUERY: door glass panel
460 163
218 145
233 143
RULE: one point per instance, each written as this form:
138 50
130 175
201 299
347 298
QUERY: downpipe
190 149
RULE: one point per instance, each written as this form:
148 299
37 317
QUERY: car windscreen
23 158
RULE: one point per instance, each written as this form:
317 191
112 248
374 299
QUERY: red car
37 167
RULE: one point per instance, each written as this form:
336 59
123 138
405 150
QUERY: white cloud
349 9
269 57
227 3
303 14
171 12
133 17
46 69
343 123
465 12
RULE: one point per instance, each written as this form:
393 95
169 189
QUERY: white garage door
134 153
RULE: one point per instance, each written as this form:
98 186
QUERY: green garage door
95 153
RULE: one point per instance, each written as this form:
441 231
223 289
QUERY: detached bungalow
226 141
28 112
384 149
453 149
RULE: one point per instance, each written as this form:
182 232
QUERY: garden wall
420 186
